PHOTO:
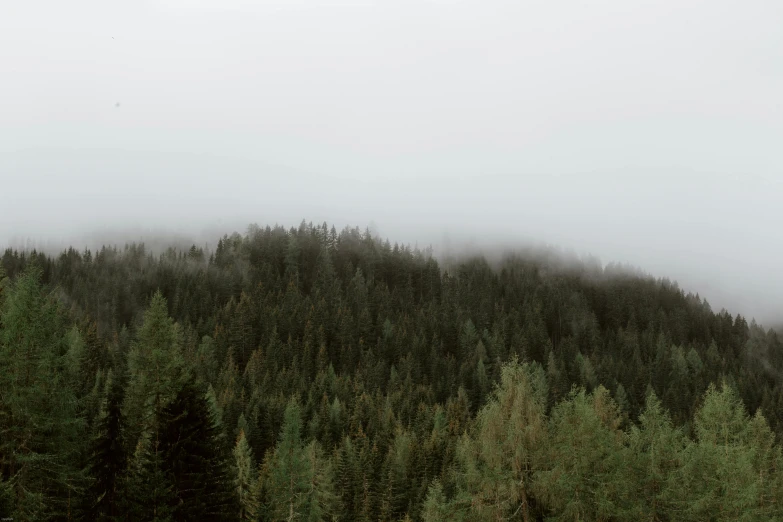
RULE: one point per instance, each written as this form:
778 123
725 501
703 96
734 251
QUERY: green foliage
656 453
499 459
245 472
436 506
726 467
3 284
40 425
586 456
298 477
373 382
156 373
148 492
195 461
107 459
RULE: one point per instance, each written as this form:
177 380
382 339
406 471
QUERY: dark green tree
40 423
108 459
195 460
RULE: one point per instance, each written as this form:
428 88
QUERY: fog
648 133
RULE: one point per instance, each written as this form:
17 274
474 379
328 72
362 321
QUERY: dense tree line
306 374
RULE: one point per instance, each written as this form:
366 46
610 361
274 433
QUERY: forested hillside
307 374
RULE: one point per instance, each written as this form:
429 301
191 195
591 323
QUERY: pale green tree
657 449
499 459
297 479
245 475
727 471
586 460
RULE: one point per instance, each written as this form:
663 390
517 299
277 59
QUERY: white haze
645 132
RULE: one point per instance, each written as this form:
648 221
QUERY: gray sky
646 132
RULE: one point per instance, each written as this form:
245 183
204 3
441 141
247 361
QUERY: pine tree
3 283
322 499
347 480
396 493
6 496
241 334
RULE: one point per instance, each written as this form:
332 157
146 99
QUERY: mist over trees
311 374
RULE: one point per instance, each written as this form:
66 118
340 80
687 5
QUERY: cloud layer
647 134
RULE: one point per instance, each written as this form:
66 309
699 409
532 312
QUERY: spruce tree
244 479
720 473
156 372
40 423
656 450
195 460
108 459
436 506
148 489
298 478
3 283
586 457
156 376
6 498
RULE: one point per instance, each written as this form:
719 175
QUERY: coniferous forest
305 374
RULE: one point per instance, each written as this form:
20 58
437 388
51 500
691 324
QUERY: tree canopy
306 374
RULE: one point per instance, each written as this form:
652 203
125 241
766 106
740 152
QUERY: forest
313 375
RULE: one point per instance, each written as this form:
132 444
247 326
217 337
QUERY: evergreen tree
721 477
6 499
437 507
586 457
107 460
299 481
3 283
245 468
195 461
148 490
412 405
156 377
499 461
657 450
40 425
396 490
156 371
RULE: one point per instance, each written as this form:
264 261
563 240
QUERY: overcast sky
647 132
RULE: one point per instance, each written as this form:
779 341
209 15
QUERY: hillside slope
363 380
